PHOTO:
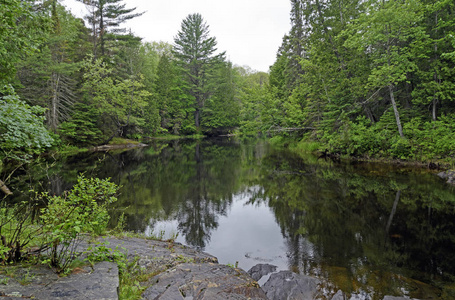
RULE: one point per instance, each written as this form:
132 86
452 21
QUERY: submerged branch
5 189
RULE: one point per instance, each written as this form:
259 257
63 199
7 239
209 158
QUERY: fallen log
5 189
279 129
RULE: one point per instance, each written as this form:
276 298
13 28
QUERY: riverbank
323 152
162 270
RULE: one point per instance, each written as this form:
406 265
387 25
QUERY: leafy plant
22 132
67 217
130 274
16 231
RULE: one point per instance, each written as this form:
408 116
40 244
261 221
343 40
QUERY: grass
122 141
305 147
68 150
170 137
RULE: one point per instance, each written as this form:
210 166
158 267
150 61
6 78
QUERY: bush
82 210
64 220
21 128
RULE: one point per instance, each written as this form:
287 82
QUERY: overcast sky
250 31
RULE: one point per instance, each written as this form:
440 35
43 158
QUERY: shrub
59 229
82 210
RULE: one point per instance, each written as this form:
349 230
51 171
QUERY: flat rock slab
99 282
286 285
153 256
208 281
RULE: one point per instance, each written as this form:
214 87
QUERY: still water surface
368 229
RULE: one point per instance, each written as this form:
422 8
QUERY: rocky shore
174 272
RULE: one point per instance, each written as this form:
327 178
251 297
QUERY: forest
369 79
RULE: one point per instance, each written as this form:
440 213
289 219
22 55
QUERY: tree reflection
358 227
191 182
335 218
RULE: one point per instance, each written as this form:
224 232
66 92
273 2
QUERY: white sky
250 31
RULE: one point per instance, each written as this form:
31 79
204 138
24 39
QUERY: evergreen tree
48 76
105 18
195 51
222 110
120 103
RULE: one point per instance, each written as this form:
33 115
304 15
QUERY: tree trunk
395 110
434 111
197 118
5 189
394 209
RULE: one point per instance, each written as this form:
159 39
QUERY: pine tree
105 18
195 51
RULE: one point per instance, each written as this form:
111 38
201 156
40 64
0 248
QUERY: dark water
368 229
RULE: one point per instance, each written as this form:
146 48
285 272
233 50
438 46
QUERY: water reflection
370 230
364 229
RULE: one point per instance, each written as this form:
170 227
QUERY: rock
448 175
101 282
339 296
288 285
260 270
442 175
204 282
24 282
153 256
395 298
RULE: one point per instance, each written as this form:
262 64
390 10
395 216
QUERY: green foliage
105 18
130 273
48 76
61 224
16 230
67 217
82 127
195 53
305 146
120 101
22 131
21 29
355 73
256 96
222 109
426 140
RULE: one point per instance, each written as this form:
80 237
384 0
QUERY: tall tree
222 110
48 76
105 18
434 82
120 103
385 31
195 51
21 29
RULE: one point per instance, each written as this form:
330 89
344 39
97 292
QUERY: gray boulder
207 281
286 285
339 296
260 270
448 175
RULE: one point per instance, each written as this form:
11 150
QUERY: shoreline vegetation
292 144
305 146
361 83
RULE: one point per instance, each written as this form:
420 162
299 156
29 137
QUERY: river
368 229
